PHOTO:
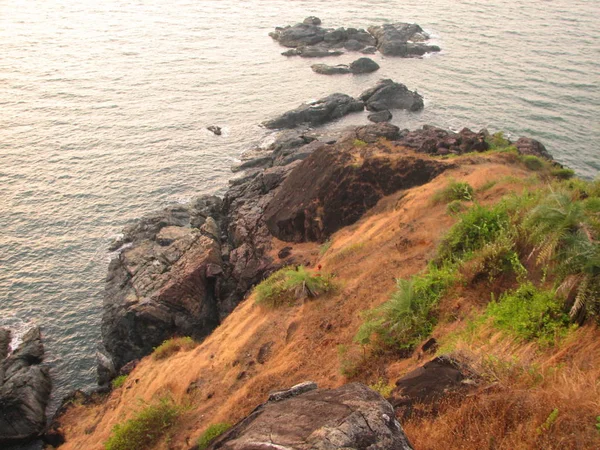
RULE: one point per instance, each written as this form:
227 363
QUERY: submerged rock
325 69
322 111
380 116
350 417
24 391
363 65
215 130
402 39
388 94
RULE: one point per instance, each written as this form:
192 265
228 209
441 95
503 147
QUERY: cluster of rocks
24 387
360 66
386 95
309 40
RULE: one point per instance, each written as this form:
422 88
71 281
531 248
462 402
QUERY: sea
104 107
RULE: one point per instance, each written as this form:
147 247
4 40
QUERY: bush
532 162
455 207
454 191
407 318
359 143
118 381
289 283
172 346
384 389
562 173
145 429
529 313
211 433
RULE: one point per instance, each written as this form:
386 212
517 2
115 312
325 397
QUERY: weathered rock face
350 417
528 146
24 390
402 39
322 111
388 94
336 185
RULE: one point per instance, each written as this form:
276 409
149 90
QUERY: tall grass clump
211 433
145 429
289 283
408 316
172 346
454 191
118 381
499 143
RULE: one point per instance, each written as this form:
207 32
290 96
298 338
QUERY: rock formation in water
360 66
350 417
388 94
24 388
309 39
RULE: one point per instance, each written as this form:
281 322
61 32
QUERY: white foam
18 328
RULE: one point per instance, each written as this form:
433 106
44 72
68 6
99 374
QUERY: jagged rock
438 141
299 35
529 146
402 39
24 391
215 130
328 191
372 133
350 417
380 116
322 111
363 65
325 69
388 94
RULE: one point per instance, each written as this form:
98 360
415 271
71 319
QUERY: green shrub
476 227
532 162
562 173
455 207
288 284
529 313
384 389
408 317
487 186
118 381
454 191
497 141
325 246
359 143
145 429
172 346
211 433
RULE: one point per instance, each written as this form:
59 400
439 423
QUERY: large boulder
529 146
337 184
350 417
316 113
380 116
402 39
24 390
388 94
306 33
363 65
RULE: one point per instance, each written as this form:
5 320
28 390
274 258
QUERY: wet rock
328 191
380 116
402 39
4 342
24 391
284 252
215 129
388 94
350 417
316 113
363 65
325 69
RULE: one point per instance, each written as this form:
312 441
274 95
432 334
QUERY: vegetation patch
385 389
454 191
289 284
145 429
118 381
455 207
562 173
498 143
348 251
359 143
172 346
324 247
211 433
533 162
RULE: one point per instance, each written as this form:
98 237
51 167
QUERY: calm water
104 107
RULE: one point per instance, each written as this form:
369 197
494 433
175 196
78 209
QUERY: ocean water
104 105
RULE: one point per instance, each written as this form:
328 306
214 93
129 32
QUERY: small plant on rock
453 192
172 346
288 284
211 433
118 381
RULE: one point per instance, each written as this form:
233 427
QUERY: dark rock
260 162
4 342
528 146
128 368
372 133
363 65
388 94
284 252
430 345
294 391
291 52
322 111
402 39
380 116
299 35
369 50
325 69
316 51
336 36
24 391
215 129
312 20
353 45
350 417
328 191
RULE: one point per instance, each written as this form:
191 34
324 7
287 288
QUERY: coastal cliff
370 218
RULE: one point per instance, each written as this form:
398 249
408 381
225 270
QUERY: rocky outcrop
24 389
388 94
309 39
360 66
337 184
380 116
529 146
350 417
316 113
325 69
402 39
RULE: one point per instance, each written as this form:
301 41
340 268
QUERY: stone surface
325 69
529 146
4 342
319 112
329 190
363 65
402 39
24 391
380 116
388 94
350 417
